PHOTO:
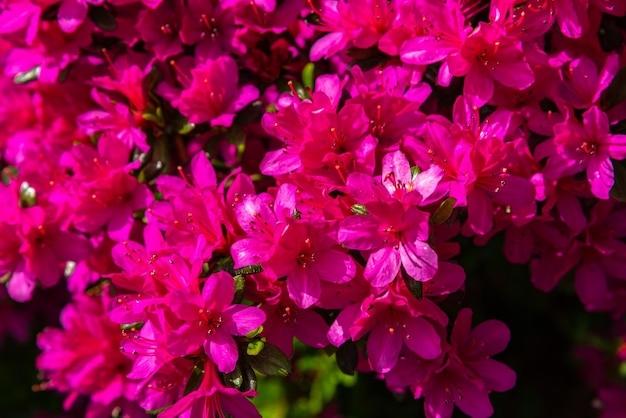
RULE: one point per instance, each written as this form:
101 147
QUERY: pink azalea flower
589 147
484 55
159 28
102 191
84 356
211 321
212 399
583 83
393 321
285 320
395 232
213 94
469 374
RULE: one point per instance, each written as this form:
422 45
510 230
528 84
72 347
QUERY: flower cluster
214 178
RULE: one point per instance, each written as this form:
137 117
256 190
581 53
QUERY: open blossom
468 374
484 55
588 146
211 321
213 95
212 399
84 358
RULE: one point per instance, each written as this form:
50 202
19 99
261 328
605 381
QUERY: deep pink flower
393 321
285 320
212 399
485 54
211 321
213 94
84 356
469 374
159 28
589 147
102 191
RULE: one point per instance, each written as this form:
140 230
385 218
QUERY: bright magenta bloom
211 321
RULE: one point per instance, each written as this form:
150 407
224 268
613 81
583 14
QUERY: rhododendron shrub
230 188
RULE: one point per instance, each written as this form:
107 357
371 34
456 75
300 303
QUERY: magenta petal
241 319
222 349
571 211
239 406
121 223
382 266
419 260
71 14
186 339
21 286
425 50
383 348
359 232
303 287
334 266
339 331
480 211
596 123
218 291
421 338
311 329
590 283
478 86
600 175
471 400
517 75
491 336
203 171
186 305
497 376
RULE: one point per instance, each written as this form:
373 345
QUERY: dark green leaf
251 269
271 361
618 191
414 286
347 357
102 18
616 92
195 379
443 212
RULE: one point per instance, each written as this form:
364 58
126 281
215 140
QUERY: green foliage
307 391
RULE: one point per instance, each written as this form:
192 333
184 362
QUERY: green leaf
616 92
254 332
186 128
308 75
195 379
414 286
28 195
240 283
28 76
254 348
359 209
270 361
251 269
347 357
443 212
415 170
102 18
618 191
128 327
8 173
